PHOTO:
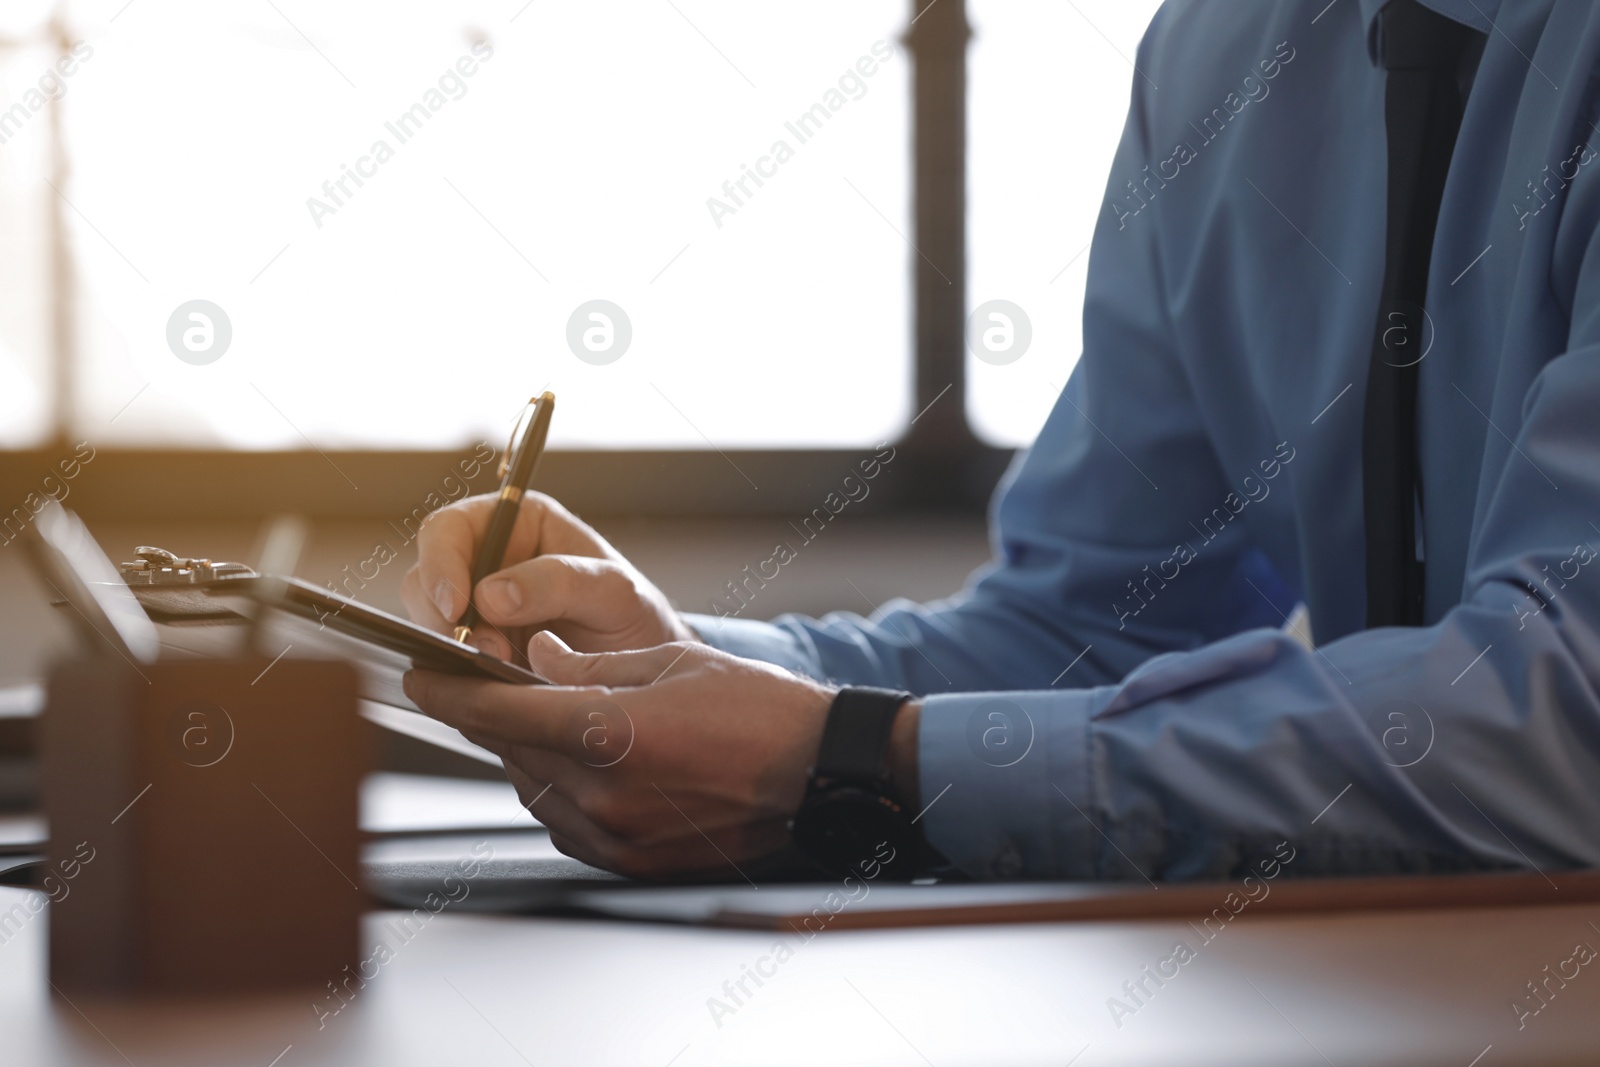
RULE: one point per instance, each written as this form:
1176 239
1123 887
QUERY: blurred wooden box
208 814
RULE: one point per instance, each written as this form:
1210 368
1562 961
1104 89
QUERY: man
1237 438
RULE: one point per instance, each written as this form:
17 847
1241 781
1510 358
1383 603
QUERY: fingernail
407 686
444 598
549 642
500 595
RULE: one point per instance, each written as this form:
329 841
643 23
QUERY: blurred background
394 213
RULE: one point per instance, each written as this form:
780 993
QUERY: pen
516 472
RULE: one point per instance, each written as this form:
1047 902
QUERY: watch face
851 831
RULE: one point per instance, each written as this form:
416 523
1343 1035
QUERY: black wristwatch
851 821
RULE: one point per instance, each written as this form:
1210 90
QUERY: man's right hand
558 575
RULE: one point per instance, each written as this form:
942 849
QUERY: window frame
939 465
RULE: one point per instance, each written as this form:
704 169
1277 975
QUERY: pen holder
203 825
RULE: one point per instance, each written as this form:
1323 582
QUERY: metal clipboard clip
158 567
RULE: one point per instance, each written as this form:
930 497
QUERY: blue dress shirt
1115 696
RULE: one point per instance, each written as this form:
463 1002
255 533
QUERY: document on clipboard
201 608
162 605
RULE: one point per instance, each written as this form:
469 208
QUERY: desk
1368 989
1397 988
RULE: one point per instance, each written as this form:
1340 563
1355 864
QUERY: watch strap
855 737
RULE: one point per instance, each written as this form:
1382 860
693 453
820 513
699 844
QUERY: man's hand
674 760
558 574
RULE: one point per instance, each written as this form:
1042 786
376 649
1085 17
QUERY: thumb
560 665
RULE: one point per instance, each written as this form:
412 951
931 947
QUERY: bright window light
26 373
405 210
1047 96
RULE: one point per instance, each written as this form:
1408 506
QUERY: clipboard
199 609
229 599
163 604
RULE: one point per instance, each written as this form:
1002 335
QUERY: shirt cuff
1006 782
751 639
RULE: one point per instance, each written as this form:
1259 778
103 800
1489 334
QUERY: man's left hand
667 761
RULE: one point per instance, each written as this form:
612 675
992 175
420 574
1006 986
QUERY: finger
493 744
577 834
645 835
578 849
550 656
547 790
532 769
422 610
546 527
419 606
679 856
493 640
531 791
581 589
448 543
566 823
531 772
574 834
545 716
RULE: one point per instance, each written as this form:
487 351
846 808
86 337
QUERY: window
399 208
405 212
1047 95
25 368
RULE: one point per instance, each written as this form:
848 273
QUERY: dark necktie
1422 53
